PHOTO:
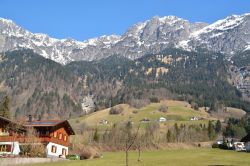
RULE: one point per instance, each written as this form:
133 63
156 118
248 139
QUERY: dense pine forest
41 87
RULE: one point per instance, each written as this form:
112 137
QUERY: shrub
215 145
96 136
97 155
154 100
223 146
139 103
135 111
195 106
116 110
163 108
85 155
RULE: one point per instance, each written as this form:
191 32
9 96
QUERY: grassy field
178 111
186 157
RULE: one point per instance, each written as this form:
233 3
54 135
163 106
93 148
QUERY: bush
115 110
97 155
154 100
85 155
163 108
223 146
135 111
139 103
215 145
195 106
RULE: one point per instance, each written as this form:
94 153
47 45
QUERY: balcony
42 139
20 139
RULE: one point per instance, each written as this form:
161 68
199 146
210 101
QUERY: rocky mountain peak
229 35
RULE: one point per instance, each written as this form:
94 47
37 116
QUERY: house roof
43 123
51 123
5 119
21 127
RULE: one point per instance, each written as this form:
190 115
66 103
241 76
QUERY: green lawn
190 157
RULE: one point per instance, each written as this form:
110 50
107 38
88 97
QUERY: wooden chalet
11 133
53 134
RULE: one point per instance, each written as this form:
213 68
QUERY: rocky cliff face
229 36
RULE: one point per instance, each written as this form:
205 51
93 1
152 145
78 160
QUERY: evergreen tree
177 132
96 136
211 130
169 136
218 126
5 108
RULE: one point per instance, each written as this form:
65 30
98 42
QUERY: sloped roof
44 123
5 119
12 122
51 123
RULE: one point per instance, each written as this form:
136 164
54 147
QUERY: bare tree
15 130
130 139
138 147
33 146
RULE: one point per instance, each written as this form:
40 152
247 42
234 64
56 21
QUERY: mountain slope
38 86
201 77
42 87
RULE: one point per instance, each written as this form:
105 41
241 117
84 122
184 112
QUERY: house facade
53 134
11 134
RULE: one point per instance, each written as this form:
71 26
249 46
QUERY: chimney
30 119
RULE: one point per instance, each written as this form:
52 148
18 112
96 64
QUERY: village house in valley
53 134
11 134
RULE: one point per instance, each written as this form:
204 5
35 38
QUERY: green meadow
180 157
178 112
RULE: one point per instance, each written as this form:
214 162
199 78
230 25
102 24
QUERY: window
5 148
64 152
53 149
55 134
65 137
60 135
4 132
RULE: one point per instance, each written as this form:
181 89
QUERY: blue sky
83 19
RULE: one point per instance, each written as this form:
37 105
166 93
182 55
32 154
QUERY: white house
162 119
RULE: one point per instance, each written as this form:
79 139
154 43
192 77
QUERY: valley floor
181 157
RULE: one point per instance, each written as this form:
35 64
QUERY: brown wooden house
53 134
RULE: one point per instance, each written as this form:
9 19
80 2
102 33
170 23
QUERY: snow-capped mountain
13 37
152 36
227 36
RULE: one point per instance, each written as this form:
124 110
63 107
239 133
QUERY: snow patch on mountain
221 25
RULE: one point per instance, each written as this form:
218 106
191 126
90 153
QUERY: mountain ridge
228 36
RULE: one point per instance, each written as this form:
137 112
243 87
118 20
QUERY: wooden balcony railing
54 140
20 139
42 139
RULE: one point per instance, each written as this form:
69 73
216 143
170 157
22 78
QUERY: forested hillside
199 77
38 86
41 87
